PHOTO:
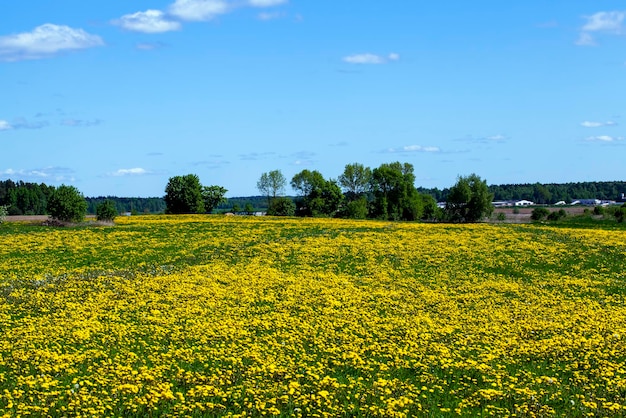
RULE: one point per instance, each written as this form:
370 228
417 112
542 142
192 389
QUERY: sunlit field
236 316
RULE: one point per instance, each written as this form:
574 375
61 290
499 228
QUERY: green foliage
213 196
357 209
272 184
395 195
67 204
183 194
250 209
620 213
501 217
430 210
3 213
106 211
318 196
539 214
598 210
282 206
355 180
469 200
139 205
557 215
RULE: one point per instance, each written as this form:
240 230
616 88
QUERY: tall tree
212 196
272 184
355 180
469 200
395 195
318 196
67 204
183 194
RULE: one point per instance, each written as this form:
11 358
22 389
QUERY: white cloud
50 174
150 21
370 58
198 10
413 148
585 39
4 125
604 138
608 22
270 15
605 22
129 172
45 41
588 124
80 123
266 3
498 137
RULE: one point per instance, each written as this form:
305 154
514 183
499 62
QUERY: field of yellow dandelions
235 316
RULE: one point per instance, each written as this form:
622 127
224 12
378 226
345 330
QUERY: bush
106 211
357 209
3 213
501 216
282 206
620 213
67 204
557 215
598 210
539 214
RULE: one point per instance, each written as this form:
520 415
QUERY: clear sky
116 97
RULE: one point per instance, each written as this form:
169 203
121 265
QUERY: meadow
244 316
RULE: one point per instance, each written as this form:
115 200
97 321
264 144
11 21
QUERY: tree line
386 192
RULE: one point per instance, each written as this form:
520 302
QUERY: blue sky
117 97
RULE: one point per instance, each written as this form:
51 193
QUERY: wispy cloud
150 46
604 138
412 148
22 123
198 10
254 156
50 174
150 21
497 138
45 41
266 3
5 126
589 124
368 58
271 15
129 172
78 123
611 22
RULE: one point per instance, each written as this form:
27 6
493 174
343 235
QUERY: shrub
3 213
67 204
501 216
106 211
282 206
539 214
598 210
620 213
557 215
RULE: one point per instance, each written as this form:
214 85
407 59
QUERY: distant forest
31 198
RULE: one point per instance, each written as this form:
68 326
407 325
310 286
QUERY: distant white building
586 202
523 203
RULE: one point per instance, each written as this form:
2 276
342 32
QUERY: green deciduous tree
282 206
106 211
212 196
183 194
67 204
3 213
395 195
318 196
272 184
469 200
355 180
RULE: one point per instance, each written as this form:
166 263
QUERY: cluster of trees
134 205
387 192
22 198
546 193
185 194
